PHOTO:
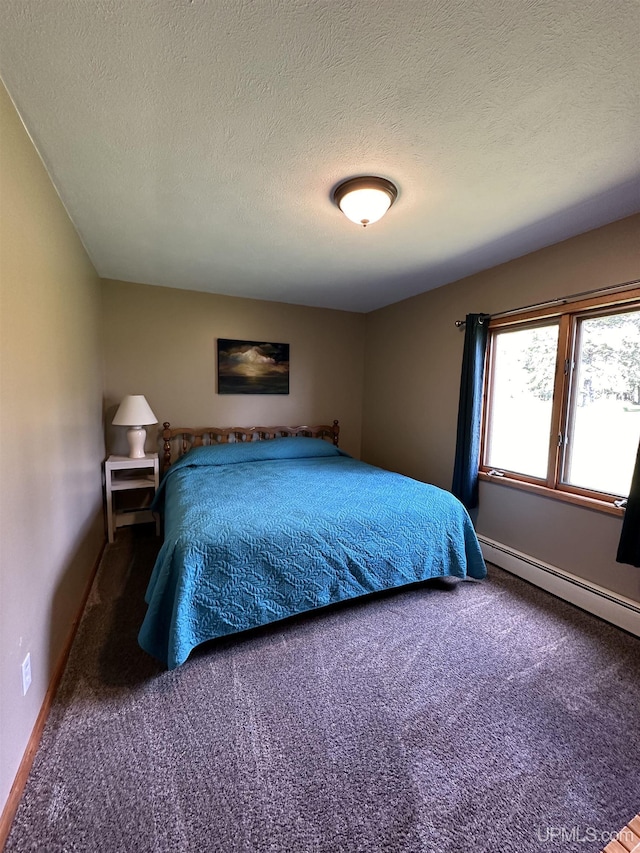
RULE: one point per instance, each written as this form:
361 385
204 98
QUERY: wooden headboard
177 440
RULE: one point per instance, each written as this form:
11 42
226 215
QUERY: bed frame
177 440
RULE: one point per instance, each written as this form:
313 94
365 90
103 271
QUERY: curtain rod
561 300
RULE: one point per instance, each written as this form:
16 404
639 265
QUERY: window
562 402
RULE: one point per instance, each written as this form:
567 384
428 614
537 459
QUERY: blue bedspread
256 532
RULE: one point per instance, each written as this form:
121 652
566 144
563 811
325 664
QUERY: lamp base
136 436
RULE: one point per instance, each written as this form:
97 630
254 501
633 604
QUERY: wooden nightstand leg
110 531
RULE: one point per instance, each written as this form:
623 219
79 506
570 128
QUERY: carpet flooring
447 717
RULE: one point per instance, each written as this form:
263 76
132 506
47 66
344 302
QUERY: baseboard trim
595 599
17 789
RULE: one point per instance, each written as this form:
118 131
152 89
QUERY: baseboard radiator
602 602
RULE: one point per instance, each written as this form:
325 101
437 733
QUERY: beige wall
51 524
161 342
412 376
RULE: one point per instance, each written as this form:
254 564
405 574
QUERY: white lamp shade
365 200
365 206
134 411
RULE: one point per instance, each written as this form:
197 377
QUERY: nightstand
122 473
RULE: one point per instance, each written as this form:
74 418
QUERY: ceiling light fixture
365 200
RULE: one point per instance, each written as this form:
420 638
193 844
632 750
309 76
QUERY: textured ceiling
195 143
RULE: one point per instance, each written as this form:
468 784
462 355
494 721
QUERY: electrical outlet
26 674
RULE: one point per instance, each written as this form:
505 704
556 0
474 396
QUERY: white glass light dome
365 200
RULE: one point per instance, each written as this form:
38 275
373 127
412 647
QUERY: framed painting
252 367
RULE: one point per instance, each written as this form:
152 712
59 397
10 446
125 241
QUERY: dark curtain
465 470
629 547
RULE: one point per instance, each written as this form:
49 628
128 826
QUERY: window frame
567 314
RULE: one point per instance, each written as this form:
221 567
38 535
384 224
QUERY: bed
267 522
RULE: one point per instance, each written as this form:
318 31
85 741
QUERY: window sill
554 494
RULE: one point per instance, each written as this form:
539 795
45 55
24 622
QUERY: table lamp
134 412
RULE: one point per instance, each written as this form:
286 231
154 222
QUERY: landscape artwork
252 367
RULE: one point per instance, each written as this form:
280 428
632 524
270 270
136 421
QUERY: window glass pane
521 400
605 423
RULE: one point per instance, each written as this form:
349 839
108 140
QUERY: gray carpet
486 717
